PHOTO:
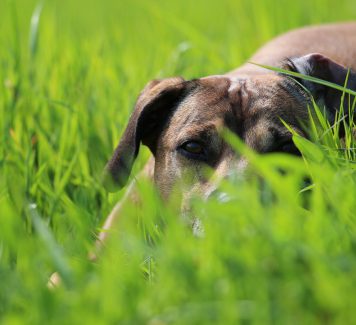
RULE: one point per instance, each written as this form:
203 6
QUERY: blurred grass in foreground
68 81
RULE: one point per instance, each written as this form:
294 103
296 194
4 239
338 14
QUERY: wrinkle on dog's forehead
253 97
260 104
271 97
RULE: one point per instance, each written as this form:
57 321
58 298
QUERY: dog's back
337 41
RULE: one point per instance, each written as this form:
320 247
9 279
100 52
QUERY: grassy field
70 72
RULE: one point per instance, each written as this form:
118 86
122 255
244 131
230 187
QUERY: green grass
281 253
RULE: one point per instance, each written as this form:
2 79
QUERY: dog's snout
233 172
220 196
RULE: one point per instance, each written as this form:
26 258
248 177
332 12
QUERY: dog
180 120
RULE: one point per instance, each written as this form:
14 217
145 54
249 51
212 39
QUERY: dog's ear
152 110
321 67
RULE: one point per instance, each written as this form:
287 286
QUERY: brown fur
250 101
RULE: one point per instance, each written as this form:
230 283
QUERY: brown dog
180 120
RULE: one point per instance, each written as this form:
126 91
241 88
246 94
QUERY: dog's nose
234 176
219 196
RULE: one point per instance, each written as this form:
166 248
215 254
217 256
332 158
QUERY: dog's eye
193 147
193 150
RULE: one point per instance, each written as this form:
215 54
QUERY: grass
70 71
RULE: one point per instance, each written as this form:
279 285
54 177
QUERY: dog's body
336 41
180 120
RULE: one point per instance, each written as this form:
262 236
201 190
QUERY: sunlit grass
278 251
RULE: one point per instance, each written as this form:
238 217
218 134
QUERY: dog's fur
180 120
250 101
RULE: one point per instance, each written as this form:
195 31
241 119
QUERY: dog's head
180 121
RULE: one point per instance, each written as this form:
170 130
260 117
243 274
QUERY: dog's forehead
241 90
233 102
207 100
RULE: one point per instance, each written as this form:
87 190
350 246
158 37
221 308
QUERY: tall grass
70 71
